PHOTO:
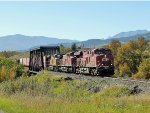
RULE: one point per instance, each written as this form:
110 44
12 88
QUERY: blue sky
73 20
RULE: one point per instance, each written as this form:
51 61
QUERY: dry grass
53 94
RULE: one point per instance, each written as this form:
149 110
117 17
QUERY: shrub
9 69
124 70
143 70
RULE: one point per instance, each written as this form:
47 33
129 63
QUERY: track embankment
133 84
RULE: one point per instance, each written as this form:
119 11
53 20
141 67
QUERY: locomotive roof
85 49
44 47
102 49
91 49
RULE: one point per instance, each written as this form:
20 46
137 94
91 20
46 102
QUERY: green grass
28 104
9 105
53 94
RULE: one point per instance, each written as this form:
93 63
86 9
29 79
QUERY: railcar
24 61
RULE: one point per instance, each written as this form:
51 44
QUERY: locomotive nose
105 59
106 62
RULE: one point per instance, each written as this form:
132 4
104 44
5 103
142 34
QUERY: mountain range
122 37
130 33
22 42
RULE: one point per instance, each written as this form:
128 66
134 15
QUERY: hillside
22 42
130 33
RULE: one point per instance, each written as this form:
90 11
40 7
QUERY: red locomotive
95 62
92 61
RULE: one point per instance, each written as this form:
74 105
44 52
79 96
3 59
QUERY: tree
124 70
146 52
143 70
132 53
8 54
127 54
64 50
74 47
142 43
114 45
9 69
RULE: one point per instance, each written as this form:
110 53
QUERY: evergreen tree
74 47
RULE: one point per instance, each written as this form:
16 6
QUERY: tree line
132 59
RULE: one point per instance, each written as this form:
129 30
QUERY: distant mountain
125 39
130 34
122 37
92 43
22 42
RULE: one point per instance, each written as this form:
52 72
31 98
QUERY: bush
124 70
144 70
129 57
9 69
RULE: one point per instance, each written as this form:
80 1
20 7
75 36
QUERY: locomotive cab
104 56
104 60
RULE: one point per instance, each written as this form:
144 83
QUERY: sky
73 20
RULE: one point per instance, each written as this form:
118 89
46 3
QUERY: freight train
90 61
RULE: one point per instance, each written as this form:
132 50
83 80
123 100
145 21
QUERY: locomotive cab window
103 52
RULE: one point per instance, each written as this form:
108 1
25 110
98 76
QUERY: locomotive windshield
103 52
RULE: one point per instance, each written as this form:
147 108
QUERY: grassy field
55 94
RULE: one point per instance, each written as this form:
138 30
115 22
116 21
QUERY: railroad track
143 85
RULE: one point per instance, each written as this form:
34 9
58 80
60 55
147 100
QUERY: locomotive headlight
111 64
102 64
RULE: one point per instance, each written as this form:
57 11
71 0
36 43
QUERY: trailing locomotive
92 61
